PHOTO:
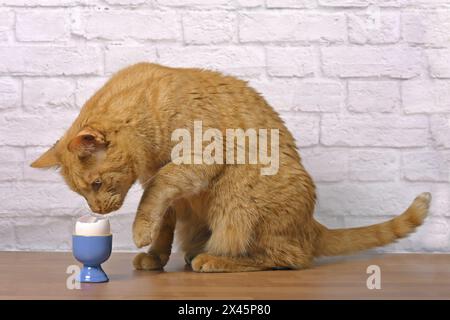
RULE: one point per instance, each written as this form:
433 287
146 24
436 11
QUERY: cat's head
97 168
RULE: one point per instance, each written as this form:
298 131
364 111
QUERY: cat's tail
345 241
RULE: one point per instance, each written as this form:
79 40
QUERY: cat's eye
96 184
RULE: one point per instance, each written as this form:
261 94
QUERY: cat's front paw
150 261
189 256
143 233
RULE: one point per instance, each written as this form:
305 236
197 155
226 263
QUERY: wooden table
34 275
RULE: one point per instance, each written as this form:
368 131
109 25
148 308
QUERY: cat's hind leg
289 256
206 262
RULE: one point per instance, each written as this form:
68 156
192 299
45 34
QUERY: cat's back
190 83
193 92
222 97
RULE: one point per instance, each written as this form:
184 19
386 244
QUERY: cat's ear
87 142
48 159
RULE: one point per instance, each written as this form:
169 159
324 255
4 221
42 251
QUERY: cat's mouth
106 210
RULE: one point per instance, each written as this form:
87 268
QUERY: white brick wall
364 85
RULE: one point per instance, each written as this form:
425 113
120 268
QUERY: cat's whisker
148 180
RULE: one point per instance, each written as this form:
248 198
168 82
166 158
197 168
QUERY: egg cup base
92 274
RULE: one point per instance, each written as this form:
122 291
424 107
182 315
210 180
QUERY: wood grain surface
36 275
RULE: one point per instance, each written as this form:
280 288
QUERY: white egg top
89 225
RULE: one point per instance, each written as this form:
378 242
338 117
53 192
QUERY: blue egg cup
92 251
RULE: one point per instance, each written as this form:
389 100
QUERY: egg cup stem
93 274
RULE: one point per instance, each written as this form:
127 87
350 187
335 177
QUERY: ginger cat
228 218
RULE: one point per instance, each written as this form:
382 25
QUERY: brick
304 128
366 199
10 93
310 96
440 130
6 24
361 3
424 96
373 96
35 129
426 27
325 164
118 57
426 3
42 25
86 88
249 3
373 27
426 166
10 171
121 228
11 154
377 130
326 96
209 27
297 4
433 235
440 206
41 93
291 27
50 60
389 61
373 165
290 62
126 2
43 3
39 199
278 93
7 235
344 3
192 4
439 62
124 24
12 163
244 60
50 233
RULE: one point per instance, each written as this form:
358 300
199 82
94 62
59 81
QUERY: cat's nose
96 208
